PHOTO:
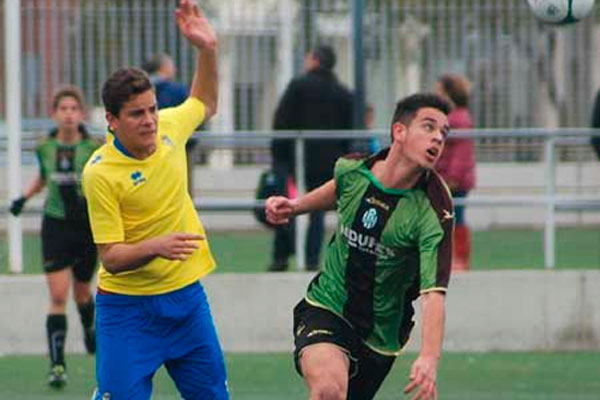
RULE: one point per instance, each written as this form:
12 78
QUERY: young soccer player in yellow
151 307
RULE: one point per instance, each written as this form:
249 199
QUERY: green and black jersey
60 168
389 247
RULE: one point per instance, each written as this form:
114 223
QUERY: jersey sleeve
341 169
434 253
182 121
435 237
103 207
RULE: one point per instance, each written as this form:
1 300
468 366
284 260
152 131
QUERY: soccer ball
561 11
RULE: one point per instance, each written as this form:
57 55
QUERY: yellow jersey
131 200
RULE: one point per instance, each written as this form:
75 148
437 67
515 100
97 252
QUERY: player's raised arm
198 31
280 209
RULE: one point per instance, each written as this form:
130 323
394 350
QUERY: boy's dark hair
75 93
457 88
68 91
154 62
407 108
326 56
121 85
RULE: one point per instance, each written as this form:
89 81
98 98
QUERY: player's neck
128 149
142 154
68 136
397 174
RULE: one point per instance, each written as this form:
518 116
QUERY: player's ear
398 132
112 120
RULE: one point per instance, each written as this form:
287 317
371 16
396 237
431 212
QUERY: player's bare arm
120 257
34 188
198 31
280 209
423 373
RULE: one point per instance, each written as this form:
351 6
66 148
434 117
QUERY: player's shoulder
350 162
98 162
172 114
189 113
437 191
45 143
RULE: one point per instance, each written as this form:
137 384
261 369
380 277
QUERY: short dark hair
154 62
457 87
73 92
68 91
407 108
121 85
326 56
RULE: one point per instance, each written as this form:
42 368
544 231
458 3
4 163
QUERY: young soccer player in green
392 245
68 249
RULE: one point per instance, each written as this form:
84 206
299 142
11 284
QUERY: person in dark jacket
314 101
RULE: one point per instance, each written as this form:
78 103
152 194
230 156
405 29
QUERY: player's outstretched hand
17 206
176 246
423 375
279 210
194 25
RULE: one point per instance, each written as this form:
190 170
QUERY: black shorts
69 244
368 369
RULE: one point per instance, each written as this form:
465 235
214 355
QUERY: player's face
137 123
425 137
68 114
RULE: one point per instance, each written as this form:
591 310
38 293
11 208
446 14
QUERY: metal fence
524 73
558 187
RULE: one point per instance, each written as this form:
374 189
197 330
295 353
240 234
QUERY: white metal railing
549 199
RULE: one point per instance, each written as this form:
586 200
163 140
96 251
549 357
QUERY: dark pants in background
284 240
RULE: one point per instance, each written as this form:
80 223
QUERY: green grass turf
492 249
464 376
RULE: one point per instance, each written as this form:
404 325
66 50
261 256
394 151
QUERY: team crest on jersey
96 159
137 178
65 159
167 141
369 219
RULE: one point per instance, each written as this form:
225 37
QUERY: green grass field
492 249
462 376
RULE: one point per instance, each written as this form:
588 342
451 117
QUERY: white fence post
301 220
550 223
12 43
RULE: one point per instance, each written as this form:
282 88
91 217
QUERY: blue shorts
136 335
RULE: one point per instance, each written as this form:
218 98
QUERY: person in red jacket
457 163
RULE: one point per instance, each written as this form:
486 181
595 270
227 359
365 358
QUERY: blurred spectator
162 71
596 124
313 101
161 68
457 163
